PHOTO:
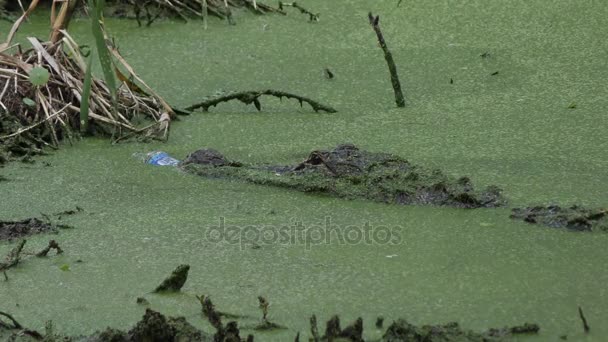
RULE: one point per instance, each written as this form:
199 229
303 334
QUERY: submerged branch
52 245
582 316
248 97
12 258
16 324
392 68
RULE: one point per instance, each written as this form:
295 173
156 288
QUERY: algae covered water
513 129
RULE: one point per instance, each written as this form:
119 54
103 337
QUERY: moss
10 230
175 281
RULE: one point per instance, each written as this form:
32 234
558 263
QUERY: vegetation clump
48 94
266 324
10 230
351 173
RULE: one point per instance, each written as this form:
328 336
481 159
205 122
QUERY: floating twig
311 16
52 245
16 324
12 258
175 281
582 316
248 97
375 22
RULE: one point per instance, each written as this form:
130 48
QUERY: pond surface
513 129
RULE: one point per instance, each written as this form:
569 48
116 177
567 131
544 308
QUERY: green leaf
96 9
86 93
39 76
29 102
64 267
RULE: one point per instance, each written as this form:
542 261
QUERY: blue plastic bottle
160 158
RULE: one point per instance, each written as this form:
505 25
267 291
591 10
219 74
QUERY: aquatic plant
47 91
266 324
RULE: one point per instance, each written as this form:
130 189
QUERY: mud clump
351 173
153 327
353 332
575 218
10 230
402 331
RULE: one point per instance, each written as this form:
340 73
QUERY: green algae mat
535 129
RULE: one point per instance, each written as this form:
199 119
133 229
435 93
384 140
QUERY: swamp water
513 129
